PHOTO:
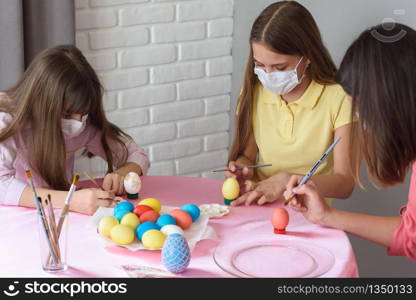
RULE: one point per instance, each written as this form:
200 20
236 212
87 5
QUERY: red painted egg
141 209
149 216
183 219
280 219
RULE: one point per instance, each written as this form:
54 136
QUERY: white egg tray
199 230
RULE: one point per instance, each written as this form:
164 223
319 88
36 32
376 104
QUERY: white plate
273 257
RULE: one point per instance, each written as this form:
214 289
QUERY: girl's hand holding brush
239 171
87 201
307 200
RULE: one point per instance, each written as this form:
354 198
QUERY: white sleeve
10 187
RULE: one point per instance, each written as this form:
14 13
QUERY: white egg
171 229
132 183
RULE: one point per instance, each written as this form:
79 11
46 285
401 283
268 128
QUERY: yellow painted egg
106 224
153 203
230 189
153 239
122 234
130 220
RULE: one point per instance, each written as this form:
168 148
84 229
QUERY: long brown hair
379 73
58 81
288 28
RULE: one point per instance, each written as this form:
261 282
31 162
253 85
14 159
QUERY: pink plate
285 258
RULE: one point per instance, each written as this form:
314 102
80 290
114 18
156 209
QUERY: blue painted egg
176 254
192 210
125 205
119 214
166 220
145 227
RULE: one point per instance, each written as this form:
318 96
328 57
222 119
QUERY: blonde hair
288 28
58 81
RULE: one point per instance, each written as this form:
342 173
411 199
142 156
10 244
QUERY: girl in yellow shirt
289 110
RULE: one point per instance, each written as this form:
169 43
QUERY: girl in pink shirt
54 111
379 73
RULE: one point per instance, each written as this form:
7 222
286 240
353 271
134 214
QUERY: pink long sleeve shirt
14 156
404 237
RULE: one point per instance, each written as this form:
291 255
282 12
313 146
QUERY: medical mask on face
72 128
279 82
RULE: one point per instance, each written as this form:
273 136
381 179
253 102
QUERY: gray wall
26 28
11 47
340 22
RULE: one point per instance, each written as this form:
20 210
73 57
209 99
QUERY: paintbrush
240 168
93 181
68 199
41 214
52 227
52 221
65 209
314 168
116 201
51 214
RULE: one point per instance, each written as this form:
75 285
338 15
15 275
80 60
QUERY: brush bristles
75 180
28 174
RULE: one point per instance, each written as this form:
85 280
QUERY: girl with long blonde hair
290 109
53 111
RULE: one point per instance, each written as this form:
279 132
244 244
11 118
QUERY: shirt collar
308 100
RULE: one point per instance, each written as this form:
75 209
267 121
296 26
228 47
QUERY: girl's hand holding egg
242 175
114 182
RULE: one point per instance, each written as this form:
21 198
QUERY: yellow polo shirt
293 136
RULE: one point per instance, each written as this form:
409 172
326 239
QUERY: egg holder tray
199 230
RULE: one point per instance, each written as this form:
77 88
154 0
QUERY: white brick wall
166 67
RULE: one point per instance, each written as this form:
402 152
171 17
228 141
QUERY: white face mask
280 83
71 128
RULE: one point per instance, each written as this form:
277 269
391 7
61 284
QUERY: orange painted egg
149 216
141 209
183 219
280 219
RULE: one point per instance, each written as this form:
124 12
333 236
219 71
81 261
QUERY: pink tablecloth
19 246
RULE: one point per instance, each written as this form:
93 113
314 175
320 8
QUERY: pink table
19 245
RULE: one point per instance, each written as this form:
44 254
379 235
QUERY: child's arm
308 201
373 228
129 167
85 201
340 184
137 161
248 157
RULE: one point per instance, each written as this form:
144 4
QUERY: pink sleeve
11 188
404 237
135 153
